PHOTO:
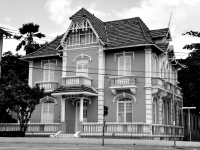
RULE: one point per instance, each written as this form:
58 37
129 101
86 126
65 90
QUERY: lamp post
188 108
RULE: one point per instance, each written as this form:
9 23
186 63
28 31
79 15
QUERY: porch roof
75 90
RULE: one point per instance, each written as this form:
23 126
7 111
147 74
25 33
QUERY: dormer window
80 33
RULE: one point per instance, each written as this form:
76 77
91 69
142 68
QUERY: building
121 64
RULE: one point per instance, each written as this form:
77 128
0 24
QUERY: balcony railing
48 85
72 80
123 82
178 91
168 86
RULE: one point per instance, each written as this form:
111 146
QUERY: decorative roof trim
62 40
82 56
74 93
124 95
47 98
39 56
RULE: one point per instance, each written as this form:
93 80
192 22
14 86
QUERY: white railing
122 80
71 80
32 127
157 81
47 85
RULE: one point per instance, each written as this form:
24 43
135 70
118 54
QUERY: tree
28 32
19 97
189 77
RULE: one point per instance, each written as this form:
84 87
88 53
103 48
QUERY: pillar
148 90
62 110
64 64
30 74
81 110
161 110
101 72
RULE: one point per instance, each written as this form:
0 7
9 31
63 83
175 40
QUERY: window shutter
51 113
121 66
128 65
46 72
51 71
44 113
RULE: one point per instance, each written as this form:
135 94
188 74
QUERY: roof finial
170 20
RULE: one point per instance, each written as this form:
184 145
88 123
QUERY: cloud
156 14
61 10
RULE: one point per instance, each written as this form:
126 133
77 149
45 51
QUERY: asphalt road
27 146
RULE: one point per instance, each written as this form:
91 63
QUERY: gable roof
114 34
159 32
47 50
163 46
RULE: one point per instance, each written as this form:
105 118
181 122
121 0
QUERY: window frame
44 103
81 62
125 111
124 70
50 71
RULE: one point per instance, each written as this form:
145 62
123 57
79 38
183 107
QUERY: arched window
125 110
47 109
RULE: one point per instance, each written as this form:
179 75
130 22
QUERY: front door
78 125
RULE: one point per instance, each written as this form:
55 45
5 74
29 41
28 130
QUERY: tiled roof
115 34
47 50
127 32
159 32
163 46
78 88
98 25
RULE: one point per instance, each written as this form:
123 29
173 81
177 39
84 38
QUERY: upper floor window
49 71
81 37
82 67
124 65
154 64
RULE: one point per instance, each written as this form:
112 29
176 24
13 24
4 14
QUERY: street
35 146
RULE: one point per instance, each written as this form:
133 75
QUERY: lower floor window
47 112
125 109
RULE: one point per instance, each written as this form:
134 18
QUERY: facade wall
137 68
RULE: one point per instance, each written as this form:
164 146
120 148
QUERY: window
47 112
124 65
154 109
81 37
82 67
154 65
125 110
49 71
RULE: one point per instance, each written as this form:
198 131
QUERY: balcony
158 86
122 83
178 91
48 86
74 80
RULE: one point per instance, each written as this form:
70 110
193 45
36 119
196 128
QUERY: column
30 74
101 72
160 110
81 110
62 110
171 112
64 64
148 90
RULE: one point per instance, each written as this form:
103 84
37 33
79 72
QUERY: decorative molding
82 56
123 95
124 54
114 91
133 90
48 98
81 24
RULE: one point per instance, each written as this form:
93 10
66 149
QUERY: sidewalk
98 141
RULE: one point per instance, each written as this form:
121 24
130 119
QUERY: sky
53 17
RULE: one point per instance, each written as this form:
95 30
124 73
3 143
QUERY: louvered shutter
51 71
127 65
121 66
46 72
51 113
44 113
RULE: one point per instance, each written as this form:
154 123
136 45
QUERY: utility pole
188 108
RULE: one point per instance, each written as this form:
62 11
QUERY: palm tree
28 32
